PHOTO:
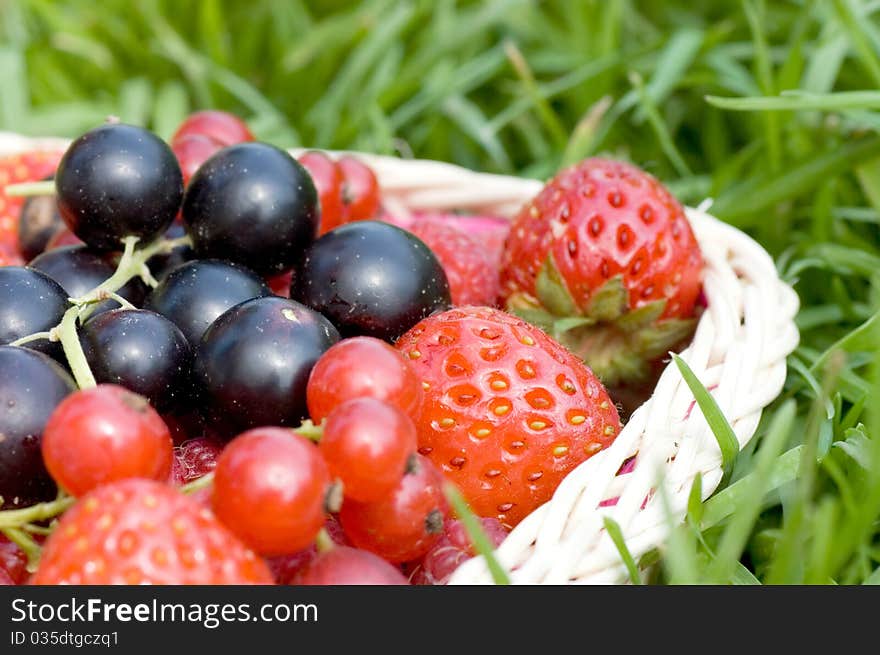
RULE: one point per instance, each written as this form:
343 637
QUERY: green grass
770 108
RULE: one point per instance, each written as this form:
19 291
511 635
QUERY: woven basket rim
738 352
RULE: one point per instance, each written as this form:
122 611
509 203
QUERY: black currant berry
31 386
30 302
38 222
371 278
79 269
253 204
253 363
195 293
141 351
115 181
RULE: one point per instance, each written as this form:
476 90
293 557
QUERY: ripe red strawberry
138 531
508 411
469 268
15 169
605 260
490 231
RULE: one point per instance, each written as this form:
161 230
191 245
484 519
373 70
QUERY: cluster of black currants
168 296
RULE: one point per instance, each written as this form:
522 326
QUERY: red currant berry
269 489
360 190
280 284
362 367
342 565
223 127
366 444
403 526
192 150
328 181
104 434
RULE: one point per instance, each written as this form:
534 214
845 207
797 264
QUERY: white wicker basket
739 352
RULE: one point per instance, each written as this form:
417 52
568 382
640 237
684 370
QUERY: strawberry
469 268
605 260
491 231
14 169
508 411
138 531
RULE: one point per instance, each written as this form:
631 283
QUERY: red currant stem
24 541
16 518
476 533
310 431
199 483
36 336
73 351
323 541
25 189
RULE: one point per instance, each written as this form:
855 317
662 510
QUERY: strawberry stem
476 533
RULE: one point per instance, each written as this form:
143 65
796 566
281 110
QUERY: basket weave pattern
738 352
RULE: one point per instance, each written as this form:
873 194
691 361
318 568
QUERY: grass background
770 108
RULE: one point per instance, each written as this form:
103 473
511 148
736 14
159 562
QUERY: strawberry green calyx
618 343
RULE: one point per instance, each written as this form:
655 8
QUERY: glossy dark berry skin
79 269
195 293
141 351
253 364
118 180
38 222
371 278
254 204
30 302
31 386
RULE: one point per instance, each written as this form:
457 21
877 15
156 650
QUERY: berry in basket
14 169
404 394
139 531
348 188
508 411
605 260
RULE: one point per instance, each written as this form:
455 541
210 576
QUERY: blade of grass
800 101
614 531
476 533
724 434
740 526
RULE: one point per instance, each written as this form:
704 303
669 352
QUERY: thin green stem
16 518
27 544
197 484
36 336
73 351
323 541
25 189
310 431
